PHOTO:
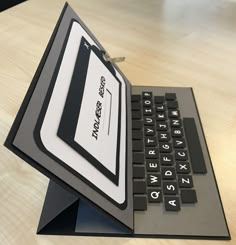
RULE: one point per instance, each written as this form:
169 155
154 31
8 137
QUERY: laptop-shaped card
123 160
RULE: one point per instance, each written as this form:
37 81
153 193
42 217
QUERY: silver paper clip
107 57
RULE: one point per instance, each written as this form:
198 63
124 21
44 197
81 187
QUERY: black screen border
39 123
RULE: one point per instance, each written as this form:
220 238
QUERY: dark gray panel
24 139
91 220
206 217
56 201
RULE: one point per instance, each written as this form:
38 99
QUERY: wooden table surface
166 43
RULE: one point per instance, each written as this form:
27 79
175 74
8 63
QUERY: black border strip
159 236
43 149
71 111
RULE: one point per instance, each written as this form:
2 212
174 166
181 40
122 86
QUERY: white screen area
97 125
50 125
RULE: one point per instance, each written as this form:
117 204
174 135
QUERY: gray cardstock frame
24 139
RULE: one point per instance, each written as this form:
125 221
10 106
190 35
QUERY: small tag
107 57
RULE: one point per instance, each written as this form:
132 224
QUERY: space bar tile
195 150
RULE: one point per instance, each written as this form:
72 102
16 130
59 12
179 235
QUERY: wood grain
166 43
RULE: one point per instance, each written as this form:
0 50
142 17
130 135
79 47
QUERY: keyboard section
166 152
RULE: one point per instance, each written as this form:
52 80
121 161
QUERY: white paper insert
97 125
